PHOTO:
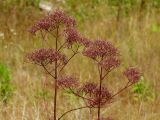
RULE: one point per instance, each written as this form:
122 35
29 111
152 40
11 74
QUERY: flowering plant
102 52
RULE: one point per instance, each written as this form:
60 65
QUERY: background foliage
133 25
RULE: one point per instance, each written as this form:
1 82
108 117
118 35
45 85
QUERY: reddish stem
76 94
72 110
56 75
67 62
121 90
100 87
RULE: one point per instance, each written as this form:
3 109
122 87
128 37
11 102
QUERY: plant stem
71 111
99 97
56 75
74 110
121 90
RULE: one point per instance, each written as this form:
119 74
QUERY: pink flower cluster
100 48
52 21
101 96
88 88
67 82
110 63
73 36
85 41
46 56
93 93
133 74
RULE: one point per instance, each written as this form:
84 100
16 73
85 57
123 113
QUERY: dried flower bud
133 74
100 48
45 56
67 82
110 63
88 88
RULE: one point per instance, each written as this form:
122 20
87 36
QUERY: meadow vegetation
132 25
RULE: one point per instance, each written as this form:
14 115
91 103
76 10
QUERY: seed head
46 56
67 82
133 74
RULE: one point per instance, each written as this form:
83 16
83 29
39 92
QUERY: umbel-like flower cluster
94 95
46 56
101 97
73 36
100 49
133 74
67 82
88 88
110 63
52 21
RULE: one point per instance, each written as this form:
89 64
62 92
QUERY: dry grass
135 37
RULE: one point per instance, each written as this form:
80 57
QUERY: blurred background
132 25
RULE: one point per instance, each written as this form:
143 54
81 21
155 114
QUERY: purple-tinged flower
42 24
69 21
88 88
67 82
101 97
103 93
133 74
84 41
100 48
52 21
71 36
46 56
59 17
110 63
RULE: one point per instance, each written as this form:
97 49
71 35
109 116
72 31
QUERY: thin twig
61 46
121 90
80 95
72 110
47 71
67 62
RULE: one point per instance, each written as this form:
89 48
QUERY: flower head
100 48
100 96
67 82
46 56
133 74
85 41
42 24
88 88
110 63
59 17
52 21
71 35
